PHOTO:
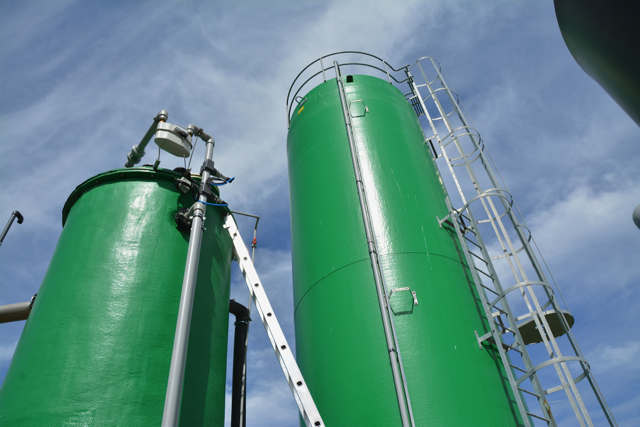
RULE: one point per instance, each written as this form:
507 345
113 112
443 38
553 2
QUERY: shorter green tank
96 348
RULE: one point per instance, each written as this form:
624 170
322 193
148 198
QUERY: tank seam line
321 279
364 259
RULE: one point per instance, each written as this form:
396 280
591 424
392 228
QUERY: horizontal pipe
15 312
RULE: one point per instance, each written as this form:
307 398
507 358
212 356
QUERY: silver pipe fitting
137 151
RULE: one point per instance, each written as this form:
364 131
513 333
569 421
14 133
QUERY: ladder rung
470 230
489 289
503 327
512 347
480 271
519 369
504 345
480 258
308 410
498 308
529 392
537 416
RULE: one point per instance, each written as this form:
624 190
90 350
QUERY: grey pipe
199 132
137 151
388 334
14 215
15 312
171 415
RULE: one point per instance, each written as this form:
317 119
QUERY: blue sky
81 81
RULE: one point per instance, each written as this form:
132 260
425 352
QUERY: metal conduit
397 377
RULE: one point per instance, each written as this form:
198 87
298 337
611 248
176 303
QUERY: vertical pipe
171 415
397 378
238 382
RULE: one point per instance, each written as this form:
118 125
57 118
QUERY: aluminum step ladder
298 386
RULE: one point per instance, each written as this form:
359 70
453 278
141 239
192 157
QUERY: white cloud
582 232
74 108
606 358
6 351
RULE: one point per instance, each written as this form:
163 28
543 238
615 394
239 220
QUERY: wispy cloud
81 82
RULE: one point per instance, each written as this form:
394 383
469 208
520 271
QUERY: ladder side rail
536 313
515 223
472 174
435 132
496 184
492 327
540 318
292 373
537 385
454 138
567 330
526 358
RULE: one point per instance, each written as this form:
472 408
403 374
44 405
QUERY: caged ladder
298 386
497 248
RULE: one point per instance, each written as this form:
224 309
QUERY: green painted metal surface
598 34
339 337
96 348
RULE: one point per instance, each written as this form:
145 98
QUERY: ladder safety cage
497 247
298 386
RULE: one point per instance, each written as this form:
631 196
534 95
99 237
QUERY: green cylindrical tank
96 348
339 334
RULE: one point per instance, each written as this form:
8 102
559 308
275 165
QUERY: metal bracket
440 221
207 165
206 189
357 114
413 293
482 338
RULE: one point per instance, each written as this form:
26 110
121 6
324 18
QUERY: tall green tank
340 340
96 348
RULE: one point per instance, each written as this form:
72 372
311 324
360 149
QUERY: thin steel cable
193 150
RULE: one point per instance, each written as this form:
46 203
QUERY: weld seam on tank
295 310
401 392
321 279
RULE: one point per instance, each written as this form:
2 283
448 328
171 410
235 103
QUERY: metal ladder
486 205
496 327
298 386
